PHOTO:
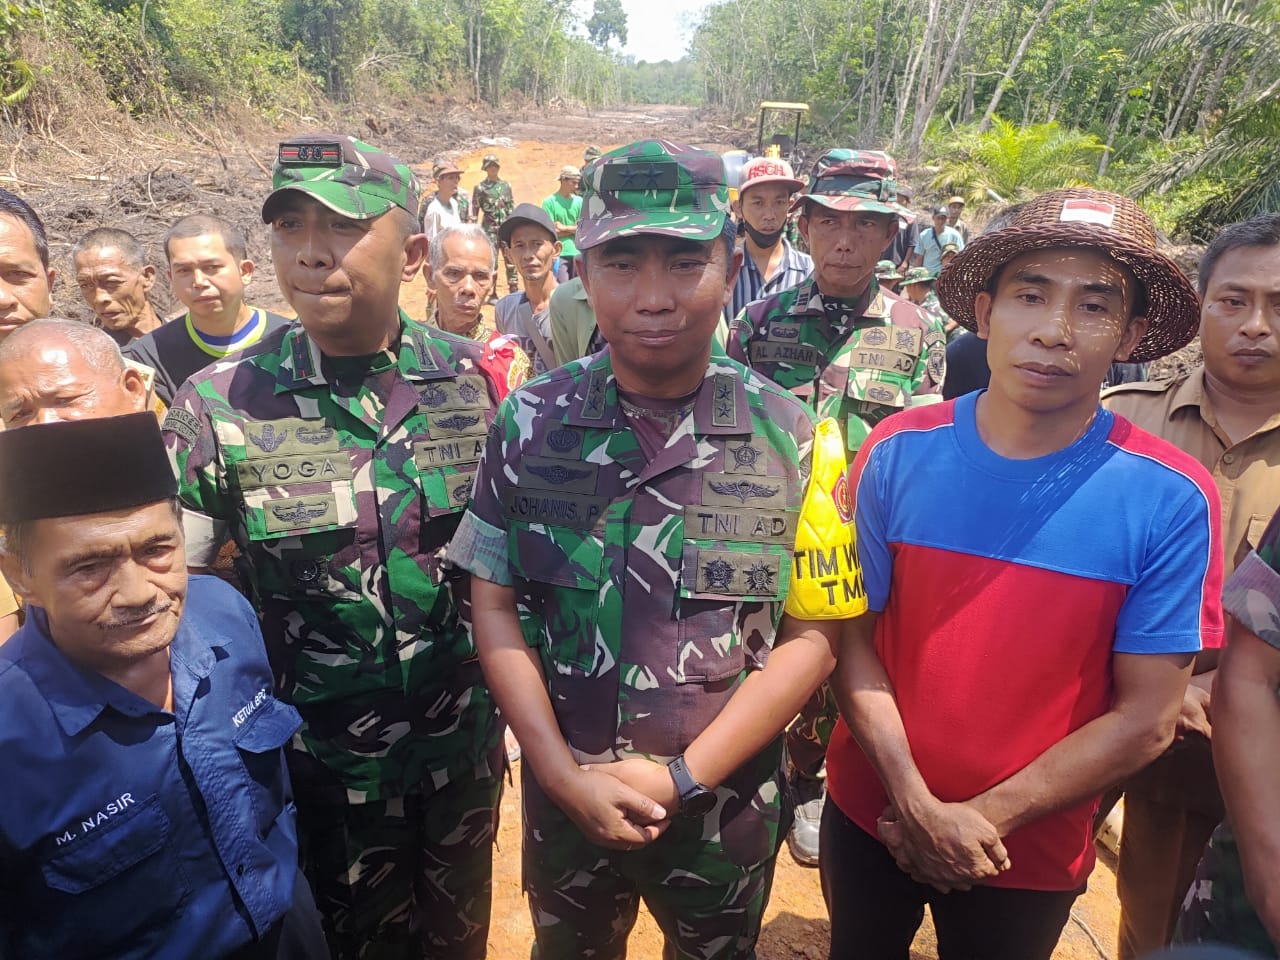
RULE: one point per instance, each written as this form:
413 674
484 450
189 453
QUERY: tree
1239 151
1015 162
608 20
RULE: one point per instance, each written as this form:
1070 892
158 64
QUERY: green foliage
1013 162
608 20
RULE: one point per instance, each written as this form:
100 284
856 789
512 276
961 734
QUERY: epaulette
1141 386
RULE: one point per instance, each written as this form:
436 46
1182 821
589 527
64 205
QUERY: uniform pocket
715 581
259 742
559 601
115 882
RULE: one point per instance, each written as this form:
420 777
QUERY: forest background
1176 101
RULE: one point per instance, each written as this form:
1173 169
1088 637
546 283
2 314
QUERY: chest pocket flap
559 605
125 840
269 729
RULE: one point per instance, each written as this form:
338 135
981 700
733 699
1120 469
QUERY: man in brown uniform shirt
1226 414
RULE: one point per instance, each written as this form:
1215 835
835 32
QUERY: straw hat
1107 222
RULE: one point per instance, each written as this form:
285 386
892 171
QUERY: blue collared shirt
127 831
751 286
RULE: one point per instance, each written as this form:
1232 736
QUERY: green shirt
566 212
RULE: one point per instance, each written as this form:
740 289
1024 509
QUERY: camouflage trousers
809 733
408 878
705 881
513 277
1217 908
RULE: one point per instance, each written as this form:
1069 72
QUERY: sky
657 29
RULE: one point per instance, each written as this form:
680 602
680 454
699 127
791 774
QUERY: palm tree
1014 162
1239 148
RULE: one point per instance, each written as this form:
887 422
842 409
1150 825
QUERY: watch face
698 805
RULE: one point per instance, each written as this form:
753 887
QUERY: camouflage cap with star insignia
854 180
347 175
653 187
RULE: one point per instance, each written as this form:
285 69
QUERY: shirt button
240 870
306 571
1228 458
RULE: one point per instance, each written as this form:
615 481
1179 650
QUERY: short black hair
12 205
207 225
122 240
1259 231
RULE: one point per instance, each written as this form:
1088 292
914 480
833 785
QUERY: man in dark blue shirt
145 809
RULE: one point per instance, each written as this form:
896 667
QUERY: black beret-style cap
81 467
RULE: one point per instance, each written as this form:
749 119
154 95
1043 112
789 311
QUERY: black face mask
766 241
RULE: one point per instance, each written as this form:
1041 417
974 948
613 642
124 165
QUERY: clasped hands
624 805
950 846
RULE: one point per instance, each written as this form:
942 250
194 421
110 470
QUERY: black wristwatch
695 799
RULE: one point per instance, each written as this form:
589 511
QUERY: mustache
135 617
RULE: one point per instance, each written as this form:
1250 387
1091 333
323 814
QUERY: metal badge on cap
310 154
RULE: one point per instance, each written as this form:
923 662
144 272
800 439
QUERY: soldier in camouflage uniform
851 352
661 477
1233 899
917 286
339 454
492 202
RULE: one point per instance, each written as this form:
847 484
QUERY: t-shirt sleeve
867 482
480 544
1252 595
192 442
1175 605
918 250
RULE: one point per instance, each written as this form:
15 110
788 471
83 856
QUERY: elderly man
460 271
114 278
1226 414
852 353
26 279
146 809
339 454
53 370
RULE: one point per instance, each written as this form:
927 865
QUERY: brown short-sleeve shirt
1246 473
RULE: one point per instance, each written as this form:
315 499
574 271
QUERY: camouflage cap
570 172
347 175
654 187
887 270
918 275
590 153
855 180
490 160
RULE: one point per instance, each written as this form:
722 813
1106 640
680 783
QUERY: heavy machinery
780 144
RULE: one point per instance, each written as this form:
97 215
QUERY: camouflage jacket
341 480
696 544
856 368
933 310
492 202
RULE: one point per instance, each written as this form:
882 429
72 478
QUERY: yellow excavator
779 144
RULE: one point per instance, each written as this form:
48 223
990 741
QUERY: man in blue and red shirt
1029 649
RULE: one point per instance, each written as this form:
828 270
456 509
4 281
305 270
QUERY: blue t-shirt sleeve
1165 608
870 522
919 247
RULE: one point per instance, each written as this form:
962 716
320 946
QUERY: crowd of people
699 515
